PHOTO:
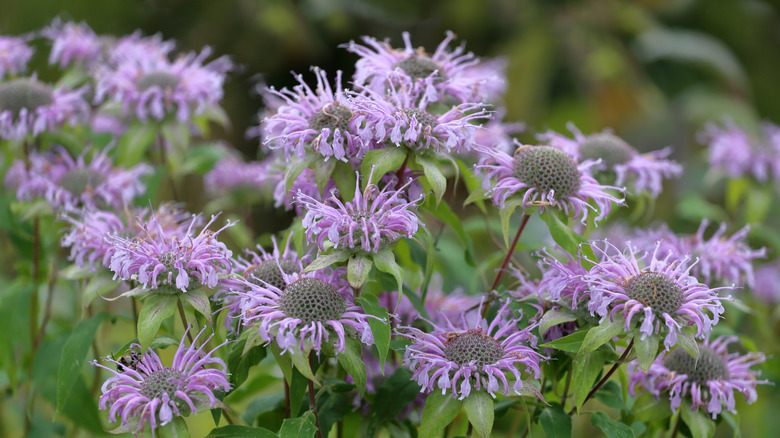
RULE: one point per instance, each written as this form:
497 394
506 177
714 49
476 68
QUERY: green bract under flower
547 169
333 116
473 346
311 299
268 271
23 93
657 291
610 149
710 366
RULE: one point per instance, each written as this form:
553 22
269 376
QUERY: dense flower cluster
739 152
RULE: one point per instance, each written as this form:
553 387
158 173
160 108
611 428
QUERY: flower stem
184 320
509 251
607 376
312 401
400 172
676 424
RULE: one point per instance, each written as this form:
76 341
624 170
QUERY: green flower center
311 299
710 366
168 259
475 346
333 116
420 67
159 79
24 93
546 168
269 272
164 381
423 117
657 291
611 149
80 180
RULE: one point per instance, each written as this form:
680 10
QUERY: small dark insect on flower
129 360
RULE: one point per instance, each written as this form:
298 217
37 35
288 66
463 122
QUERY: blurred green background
654 70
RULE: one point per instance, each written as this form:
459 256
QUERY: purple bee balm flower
147 392
563 283
372 220
398 116
546 177
496 134
259 268
88 228
156 87
724 258
473 355
660 290
740 153
709 381
644 171
320 119
73 43
230 174
455 73
441 306
169 263
307 311
14 55
767 286
68 183
30 107
137 46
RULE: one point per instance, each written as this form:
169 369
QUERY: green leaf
686 341
736 190
647 350
134 143
610 427
199 301
646 408
358 268
601 334
299 385
759 200
301 361
322 173
284 361
585 369
380 329
439 411
295 170
346 180
561 233
73 355
324 260
239 361
263 404
443 212
155 309
698 422
611 395
200 159
385 262
479 410
75 272
14 314
175 429
301 427
353 364
395 393
505 214
237 431
97 286
436 179
554 317
333 404
383 161
555 422
570 343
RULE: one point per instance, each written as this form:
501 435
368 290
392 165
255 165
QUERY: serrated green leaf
601 334
323 172
555 422
479 410
395 393
155 309
382 161
301 427
646 350
687 342
324 260
380 329
74 354
561 233
585 369
346 180
353 364
432 172
385 262
610 427
199 301
439 411
358 268
554 317
238 431
570 343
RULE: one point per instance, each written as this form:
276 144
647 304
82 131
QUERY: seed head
547 169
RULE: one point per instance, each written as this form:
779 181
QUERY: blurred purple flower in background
14 55
30 107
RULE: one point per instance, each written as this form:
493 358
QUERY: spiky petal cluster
151 393
476 355
740 153
371 220
454 74
154 86
546 177
73 43
88 228
401 117
320 119
767 286
30 107
231 174
709 381
68 183
14 55
170 263
643 171
306 312
660 291
563 283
